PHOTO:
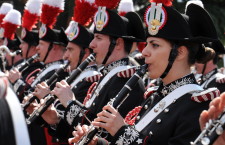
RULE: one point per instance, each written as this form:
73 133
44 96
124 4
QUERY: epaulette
126 73
93 78
220 78
150 91
205 95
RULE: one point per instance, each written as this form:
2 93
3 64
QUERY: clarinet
51 98
5 48
50 82
28 62
213 129
117 101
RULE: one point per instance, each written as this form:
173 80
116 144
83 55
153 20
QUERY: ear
55 47
119 43
182 52
87 52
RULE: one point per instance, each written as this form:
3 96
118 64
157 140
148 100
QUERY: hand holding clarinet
209 122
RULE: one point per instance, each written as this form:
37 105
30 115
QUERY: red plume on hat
84 10
125 6
110 4
167 3
10 23
31 14
50 10
5 8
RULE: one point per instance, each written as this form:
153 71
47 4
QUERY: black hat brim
135 28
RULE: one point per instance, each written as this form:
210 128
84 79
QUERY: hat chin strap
111 48
172 57
49 49
28 49
203 71
82 52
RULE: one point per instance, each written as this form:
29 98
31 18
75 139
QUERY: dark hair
205 54
127 43
197 53
7 136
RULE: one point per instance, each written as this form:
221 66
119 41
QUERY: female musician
170 115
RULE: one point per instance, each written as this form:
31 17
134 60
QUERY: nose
92 44
145 52
66 56
38 47
20 46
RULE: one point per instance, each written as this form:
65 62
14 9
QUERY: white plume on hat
13 17
33 6
126 6
55 3
197 2
90 1
5 8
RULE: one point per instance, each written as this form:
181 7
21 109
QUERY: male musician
28 46
50 49
10 23
76 51
112 46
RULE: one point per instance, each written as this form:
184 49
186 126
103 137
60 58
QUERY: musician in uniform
210 76
51 48
29 41
169 115
10 23
112 45
76 52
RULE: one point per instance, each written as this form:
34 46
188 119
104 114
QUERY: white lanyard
43 73
165 102
205 84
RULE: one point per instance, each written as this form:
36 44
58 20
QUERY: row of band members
169 53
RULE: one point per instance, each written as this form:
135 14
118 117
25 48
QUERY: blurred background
216 9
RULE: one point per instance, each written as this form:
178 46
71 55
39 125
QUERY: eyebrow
152 41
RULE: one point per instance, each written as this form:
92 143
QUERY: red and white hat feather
50 10
84 11
4 9
10 23
31 14
167 3
110 4
125 6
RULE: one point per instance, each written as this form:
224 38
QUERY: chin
153 76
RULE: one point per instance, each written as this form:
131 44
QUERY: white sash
165 102
83 75
104 81
44 72
205 84
18 119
